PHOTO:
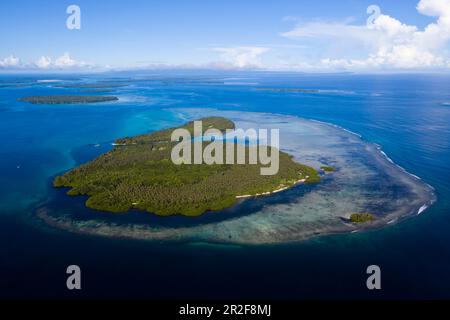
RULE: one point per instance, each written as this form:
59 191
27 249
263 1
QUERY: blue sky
226 34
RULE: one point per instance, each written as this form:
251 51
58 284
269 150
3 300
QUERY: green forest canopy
139 174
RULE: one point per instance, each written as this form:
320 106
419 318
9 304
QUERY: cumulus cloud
44 62
10 61
63 62
389 42
241 57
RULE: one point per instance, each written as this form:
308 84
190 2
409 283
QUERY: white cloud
63 62
10 61
328 29
241 57
389 43
44 62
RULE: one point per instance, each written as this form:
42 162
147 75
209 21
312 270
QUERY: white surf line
403 169
376 145
422 209
397 165
425 206
384 154
48 81
392 221
337 91
336 126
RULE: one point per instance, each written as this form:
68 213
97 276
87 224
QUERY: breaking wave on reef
364 180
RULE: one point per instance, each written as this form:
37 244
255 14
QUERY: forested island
138 174
67 99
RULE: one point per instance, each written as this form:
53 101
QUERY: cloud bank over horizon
61 63
389 42
384 44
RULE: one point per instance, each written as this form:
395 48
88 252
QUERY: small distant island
67 99
90 85
300 90
361 217
138 174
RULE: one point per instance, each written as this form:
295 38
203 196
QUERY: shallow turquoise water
406 115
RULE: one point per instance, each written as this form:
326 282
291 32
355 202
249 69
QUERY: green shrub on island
327 168
139 174
67 99
362 217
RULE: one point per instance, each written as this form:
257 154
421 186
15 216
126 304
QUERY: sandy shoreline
273 191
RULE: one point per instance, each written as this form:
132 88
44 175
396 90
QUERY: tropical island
138 174
67 99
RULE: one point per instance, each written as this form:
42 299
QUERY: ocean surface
407 116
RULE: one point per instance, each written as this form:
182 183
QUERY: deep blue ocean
407 115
